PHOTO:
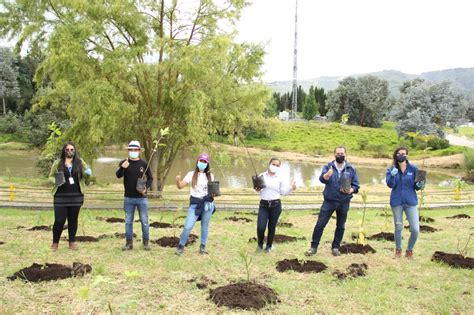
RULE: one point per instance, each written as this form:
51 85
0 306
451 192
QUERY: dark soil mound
459 216
40 228
356 249
306 266
172 241
20 227
49 272
1 243
284 224
383 214
426 219
245 213
236 219
353 271
244 295
454 260
115 220
424 228
202 283
161 225
122 235
382 236
86 239
280 238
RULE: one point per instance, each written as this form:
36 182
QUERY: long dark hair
207 171
76 160
395 162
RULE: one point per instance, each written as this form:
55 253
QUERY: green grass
466 131
159 281
316 138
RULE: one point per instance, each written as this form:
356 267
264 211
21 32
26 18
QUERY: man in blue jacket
341 181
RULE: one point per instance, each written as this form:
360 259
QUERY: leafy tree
124 69
321 97
427 108
310 107
363 99
8 77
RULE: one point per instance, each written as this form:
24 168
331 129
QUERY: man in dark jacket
341 181
131 169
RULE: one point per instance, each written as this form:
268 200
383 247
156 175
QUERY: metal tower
294 101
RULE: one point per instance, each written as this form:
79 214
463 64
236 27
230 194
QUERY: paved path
460 140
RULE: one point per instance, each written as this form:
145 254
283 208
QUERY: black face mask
69 154
401 158
340 158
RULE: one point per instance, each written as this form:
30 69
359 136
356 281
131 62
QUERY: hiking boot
268 249
55 246
311 251
179 250
72 245
146 245
398 252
335 252
128 245
409 254
202 249
259 249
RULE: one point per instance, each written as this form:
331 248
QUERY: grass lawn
159 281
466 131
315 138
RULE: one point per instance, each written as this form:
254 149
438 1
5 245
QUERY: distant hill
462 78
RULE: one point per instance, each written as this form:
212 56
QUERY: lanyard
69 168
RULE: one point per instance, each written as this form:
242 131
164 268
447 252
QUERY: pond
235 174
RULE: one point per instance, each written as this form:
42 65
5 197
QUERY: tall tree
427 108
364 99
8 77
310 107
125 69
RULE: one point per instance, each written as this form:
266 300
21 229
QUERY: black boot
146 245
202 249
179 250
128 245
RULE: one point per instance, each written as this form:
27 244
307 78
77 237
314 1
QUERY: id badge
71 180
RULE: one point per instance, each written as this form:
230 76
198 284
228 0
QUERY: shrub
438 143
362 144
469 159
10 123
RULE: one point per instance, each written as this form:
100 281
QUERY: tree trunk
154 171
4 106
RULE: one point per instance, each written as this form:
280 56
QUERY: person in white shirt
201 204
270 205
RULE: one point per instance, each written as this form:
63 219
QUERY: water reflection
236 174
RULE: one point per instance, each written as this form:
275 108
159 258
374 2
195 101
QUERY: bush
362 144
438 143
10 123
469 160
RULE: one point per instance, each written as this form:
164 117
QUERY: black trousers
61 213
268 213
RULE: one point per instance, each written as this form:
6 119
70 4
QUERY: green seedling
247 260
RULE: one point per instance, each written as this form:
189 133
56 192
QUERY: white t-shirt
275 186
200 191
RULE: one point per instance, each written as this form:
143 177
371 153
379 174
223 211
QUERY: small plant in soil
247 260
458 186
362 233
463 250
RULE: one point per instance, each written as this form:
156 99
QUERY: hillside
462 78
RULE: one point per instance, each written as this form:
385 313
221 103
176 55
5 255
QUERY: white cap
134 144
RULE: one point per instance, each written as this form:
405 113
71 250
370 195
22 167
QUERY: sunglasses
70 150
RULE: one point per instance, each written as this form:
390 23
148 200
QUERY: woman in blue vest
400 177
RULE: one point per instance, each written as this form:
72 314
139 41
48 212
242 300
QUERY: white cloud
342 37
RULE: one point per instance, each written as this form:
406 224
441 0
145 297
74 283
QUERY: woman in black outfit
69 174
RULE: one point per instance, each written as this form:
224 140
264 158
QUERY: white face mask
133 154
274 169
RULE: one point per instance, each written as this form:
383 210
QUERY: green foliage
469 159
247 260
310 107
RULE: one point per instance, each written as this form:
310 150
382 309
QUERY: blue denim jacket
403 186
332 190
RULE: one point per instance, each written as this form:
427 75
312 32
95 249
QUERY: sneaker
55 246
202 249
409 254
336 252
398 252
73 245
269 249
146 245
259 248
179 250
311 251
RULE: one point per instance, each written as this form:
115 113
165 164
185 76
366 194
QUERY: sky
344 37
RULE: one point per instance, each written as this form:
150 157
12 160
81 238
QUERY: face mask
201 166
133 155
340 158
401 158
70 154
274 169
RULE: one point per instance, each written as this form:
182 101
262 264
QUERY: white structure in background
284 115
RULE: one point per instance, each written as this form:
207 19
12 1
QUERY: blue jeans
191 220
413 219
268 213
327 209
141 204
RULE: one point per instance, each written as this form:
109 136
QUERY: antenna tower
294 100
